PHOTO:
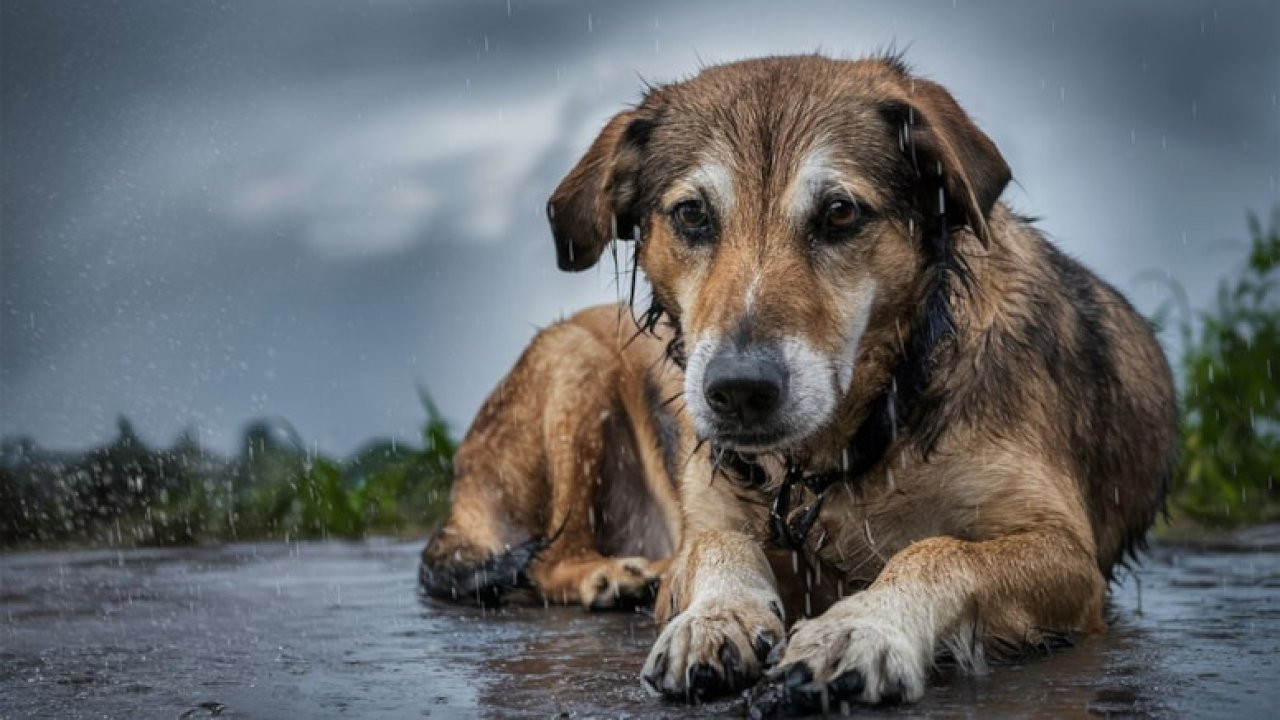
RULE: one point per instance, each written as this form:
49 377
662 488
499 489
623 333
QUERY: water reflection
329 629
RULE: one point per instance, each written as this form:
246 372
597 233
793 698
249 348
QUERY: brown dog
906 415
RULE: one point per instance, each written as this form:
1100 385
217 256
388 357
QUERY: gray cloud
215 212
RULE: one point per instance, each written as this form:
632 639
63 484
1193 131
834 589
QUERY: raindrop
893 409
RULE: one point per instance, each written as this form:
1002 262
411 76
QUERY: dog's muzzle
744 389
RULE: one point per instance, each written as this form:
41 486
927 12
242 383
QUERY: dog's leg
482 549
571 569
878 645
720 604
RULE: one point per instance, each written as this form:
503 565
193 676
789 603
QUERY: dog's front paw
620 583
713 648
861 650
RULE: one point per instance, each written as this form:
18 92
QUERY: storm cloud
214 212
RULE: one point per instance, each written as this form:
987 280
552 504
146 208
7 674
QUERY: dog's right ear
947 147
597 200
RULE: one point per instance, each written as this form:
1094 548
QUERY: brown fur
1009 417
565 460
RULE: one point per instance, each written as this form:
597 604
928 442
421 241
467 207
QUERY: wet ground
337 629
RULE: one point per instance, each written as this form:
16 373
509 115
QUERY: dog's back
1117 416
1052 357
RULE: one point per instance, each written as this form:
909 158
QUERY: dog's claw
704 682
797 675
763 645
652 680
731 662
775 655
894 693
847 687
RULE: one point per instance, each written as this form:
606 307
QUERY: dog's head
789 211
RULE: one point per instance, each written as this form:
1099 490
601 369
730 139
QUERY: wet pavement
338 630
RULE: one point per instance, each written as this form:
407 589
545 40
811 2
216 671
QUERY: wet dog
909 423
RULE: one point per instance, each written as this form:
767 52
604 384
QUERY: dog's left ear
947 146
596 201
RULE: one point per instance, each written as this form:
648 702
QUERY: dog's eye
841 214
838 219
691 218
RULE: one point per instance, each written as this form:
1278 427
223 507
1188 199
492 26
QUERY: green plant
126 493
1230 460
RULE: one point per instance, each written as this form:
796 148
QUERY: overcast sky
216 211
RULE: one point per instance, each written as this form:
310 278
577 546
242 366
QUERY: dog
908 427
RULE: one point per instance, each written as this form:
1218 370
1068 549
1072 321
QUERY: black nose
746 386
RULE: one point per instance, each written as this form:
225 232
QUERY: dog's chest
847 532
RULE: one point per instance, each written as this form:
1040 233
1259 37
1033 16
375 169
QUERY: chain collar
790 519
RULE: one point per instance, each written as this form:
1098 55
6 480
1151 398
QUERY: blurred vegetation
127 494
1229 375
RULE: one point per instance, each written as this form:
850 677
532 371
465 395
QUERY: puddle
338 630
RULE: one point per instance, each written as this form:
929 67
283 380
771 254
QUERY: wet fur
1005 440
562 486
1007 436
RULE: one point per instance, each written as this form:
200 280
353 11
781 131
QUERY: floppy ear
596 201
948 148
